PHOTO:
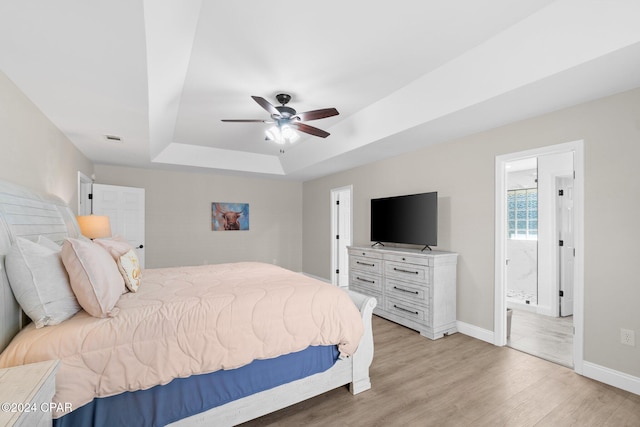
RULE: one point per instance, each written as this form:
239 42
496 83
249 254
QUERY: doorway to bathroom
539 322
539 256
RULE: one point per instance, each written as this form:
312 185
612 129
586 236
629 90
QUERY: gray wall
178 217
462 171
35 154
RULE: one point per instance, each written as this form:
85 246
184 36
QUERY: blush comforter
189 320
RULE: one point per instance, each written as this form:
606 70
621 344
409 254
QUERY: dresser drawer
363 252
416 293
406 310
409 259
364 280
370 265
418 273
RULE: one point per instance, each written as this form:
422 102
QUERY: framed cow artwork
229 216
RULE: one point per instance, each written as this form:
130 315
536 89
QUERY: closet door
341 230
125 208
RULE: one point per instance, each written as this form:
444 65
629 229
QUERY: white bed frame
24 213
353 371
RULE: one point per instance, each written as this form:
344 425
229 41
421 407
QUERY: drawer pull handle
405 271
365 280
404 309
365 263
406 290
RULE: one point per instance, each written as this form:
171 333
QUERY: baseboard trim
475 332
611 377
322 279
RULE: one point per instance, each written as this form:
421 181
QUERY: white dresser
26 392
416 289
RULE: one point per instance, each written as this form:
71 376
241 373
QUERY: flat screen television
410 219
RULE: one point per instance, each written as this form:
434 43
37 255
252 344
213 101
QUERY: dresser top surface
20 389
407 251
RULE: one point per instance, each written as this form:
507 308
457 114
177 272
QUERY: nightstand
26 392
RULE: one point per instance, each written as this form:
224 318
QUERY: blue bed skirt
184 397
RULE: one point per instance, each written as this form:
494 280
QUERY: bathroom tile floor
550 338
522 296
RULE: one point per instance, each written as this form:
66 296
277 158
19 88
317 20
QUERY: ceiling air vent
113 138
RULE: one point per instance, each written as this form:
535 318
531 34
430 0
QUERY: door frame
84 189
334 227
500 306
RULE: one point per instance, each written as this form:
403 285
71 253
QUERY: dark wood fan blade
310 130
317 114
266 105
246 120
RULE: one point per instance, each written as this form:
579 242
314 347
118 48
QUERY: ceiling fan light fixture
282 134
289 134
273 134
288 121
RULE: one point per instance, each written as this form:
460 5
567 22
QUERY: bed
176 366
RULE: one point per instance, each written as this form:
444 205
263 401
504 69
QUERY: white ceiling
161 74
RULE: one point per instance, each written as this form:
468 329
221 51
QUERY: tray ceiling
161 74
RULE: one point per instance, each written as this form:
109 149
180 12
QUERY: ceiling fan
286 119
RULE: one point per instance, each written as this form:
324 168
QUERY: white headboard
25 213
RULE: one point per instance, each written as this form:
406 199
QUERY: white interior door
550 167
567 250
125 208
341 235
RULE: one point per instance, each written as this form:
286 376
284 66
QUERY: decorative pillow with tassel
126 258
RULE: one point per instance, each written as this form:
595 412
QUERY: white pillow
40 283
94 277
48 243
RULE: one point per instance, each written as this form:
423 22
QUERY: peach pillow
94 277
116 246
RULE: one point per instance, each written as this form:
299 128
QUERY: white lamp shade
94 226
281 134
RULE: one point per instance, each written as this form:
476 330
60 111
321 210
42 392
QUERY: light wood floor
461 381
544 336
